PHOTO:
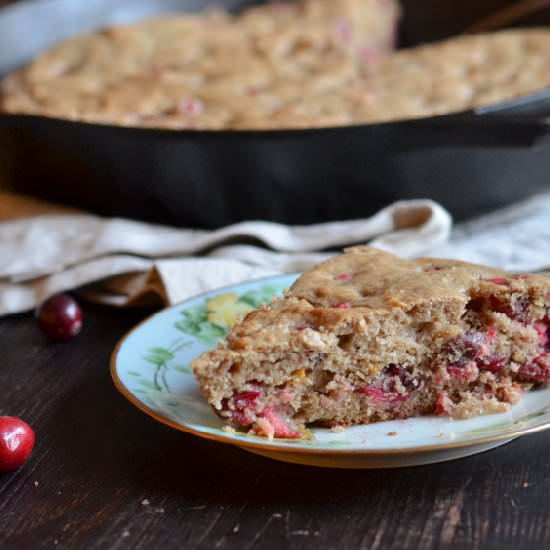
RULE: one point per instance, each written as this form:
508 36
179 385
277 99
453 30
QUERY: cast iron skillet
471 162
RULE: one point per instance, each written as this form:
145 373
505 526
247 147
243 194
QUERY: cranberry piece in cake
367 336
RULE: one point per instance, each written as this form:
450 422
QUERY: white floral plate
151 368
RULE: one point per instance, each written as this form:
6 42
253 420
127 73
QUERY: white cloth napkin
516 238
133 262
122 262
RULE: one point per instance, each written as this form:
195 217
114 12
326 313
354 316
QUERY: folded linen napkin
121 262
124 262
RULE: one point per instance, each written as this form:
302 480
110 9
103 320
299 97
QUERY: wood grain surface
13 205
104 475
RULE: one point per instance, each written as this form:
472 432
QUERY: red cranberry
245 399
543 331
60 318
378 395
466 348
16 443
493 363
491 333
536 371
520 308
499 281
517 309
242 407
282 426
464 371
443 404
405 375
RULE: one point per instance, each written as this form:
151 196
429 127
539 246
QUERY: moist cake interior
368 337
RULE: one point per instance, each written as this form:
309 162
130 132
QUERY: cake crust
367 336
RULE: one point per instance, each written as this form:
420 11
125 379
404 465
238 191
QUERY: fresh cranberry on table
60 318
16 443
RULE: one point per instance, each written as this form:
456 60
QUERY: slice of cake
367 336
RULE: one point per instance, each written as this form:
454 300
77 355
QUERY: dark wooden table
104 475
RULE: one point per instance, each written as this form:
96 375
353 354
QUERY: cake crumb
392 434
277 515
125 534
338 429
236 528
229 429
145 502
525 485
36 483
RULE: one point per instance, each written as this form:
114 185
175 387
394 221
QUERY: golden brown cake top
366 285
457 74
208 70
305 64
368 277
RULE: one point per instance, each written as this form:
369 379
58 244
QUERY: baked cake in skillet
367 336
209 70
214 71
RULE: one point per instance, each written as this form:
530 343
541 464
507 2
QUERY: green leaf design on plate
182 368
195 322
133 373
208 323
178 345
263 295
211 321
159 356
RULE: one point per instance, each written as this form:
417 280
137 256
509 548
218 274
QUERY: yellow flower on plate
223 310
